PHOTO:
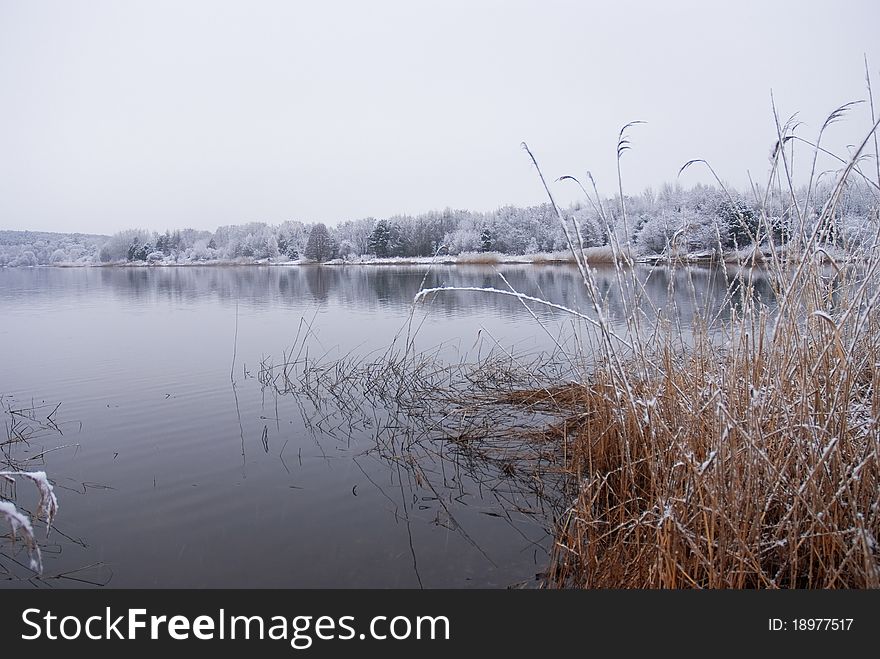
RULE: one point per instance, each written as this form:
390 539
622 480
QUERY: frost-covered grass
746 462
742 451
23 427
19 523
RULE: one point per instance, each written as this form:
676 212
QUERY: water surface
173 477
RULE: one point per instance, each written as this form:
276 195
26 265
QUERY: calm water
170 477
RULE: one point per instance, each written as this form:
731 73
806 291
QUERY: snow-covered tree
486 240
385 238
320 245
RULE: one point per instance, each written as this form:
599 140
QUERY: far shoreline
594 256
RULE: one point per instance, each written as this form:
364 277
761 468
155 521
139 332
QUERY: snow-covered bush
346 249
272 247
682 231
592 232
26 258
740 221
20 523
857 232
117 246
654 233
200 252
75 253
462 240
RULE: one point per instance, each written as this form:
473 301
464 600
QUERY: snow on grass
19 523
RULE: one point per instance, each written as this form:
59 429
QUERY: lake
178 468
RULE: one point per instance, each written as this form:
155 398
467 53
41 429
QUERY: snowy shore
594 256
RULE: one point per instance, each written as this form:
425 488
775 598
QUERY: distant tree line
24 248
693 219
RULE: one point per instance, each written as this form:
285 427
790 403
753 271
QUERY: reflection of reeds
408 400
444 428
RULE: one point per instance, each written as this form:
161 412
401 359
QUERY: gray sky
169 114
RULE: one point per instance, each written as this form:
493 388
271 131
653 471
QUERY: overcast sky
163 114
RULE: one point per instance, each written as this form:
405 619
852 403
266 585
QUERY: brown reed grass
747 465
743 452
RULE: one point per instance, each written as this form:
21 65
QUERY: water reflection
214 485
374 287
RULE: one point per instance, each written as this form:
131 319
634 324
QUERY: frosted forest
699 220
